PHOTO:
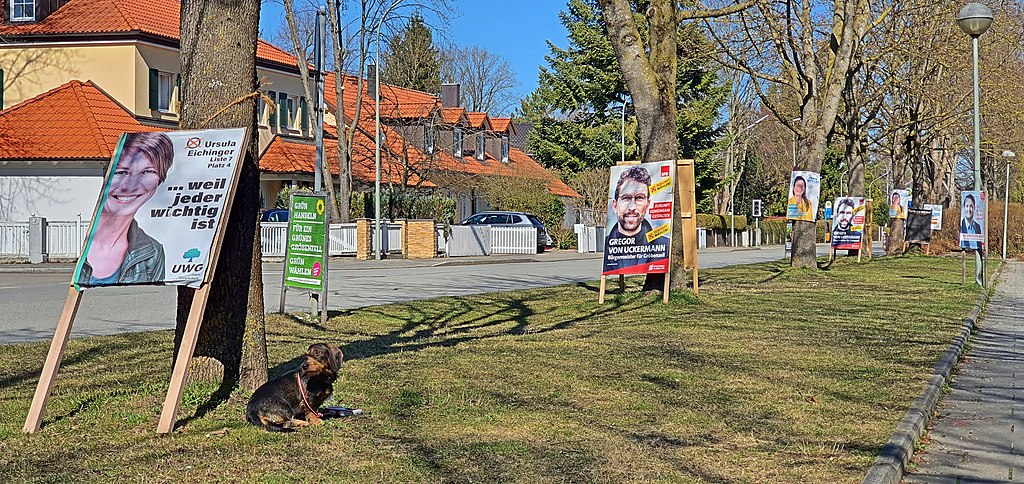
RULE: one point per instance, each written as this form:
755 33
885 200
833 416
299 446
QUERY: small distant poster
639 218
307 230
804 187
162 203
848 224
972 219
936 211
899 202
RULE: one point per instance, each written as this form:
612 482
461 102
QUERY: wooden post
664 296
52 365
869 221
685 184
185 353
600 294
963 267
622 283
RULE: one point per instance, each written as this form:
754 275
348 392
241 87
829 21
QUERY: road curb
892 460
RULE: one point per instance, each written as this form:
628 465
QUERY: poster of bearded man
639 218
848 223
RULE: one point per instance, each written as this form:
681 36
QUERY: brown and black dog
291 401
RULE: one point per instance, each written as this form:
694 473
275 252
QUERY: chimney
450 96
371 80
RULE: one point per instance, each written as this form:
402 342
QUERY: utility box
37 240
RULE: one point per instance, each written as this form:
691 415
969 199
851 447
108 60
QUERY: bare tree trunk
218 61
344 151
300 50
650 75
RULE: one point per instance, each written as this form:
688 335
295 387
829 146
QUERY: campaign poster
162 202
972 219
936 211
899 202
804 187
848 223
639 218
307 230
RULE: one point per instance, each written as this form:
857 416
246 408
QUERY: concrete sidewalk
975 436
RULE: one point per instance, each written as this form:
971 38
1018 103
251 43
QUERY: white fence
64 239
342 237
513 239
13 239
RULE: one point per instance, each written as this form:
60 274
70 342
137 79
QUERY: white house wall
53 197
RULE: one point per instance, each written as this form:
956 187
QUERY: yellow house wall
30 71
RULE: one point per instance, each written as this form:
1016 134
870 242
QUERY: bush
709 221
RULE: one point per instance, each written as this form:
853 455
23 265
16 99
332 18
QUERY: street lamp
1009 155
732 187
974 19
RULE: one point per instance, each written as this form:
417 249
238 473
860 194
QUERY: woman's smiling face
134 182
798 188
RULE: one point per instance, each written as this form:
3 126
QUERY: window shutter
304 112
282 110
177 87
154 89
1 88
272 118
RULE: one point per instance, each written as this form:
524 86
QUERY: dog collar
302 391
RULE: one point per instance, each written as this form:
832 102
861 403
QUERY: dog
290 402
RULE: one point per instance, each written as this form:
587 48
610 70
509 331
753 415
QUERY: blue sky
517 30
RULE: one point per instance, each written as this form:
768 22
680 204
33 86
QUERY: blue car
275 215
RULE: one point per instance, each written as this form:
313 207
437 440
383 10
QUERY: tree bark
218 71
344 151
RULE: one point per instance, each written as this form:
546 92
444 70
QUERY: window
481 146
23 10
429 139
504 149
166 91
457 145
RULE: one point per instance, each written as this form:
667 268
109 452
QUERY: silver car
513 218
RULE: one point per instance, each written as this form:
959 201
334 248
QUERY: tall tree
487 80
577 109
218 89
301 33
411 60
804 48
649 66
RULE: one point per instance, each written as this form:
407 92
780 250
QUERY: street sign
755 207
828 210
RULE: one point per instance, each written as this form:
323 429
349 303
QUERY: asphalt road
31 302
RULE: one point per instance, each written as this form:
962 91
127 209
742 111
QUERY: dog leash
302 391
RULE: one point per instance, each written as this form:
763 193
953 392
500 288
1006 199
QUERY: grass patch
771 375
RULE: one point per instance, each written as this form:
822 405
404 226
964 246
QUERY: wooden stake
52 365
600 294
685 185
622 283
664 297
185 353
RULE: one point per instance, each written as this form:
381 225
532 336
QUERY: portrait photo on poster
160 205
639 228
848 223
899 203
804 189
972 219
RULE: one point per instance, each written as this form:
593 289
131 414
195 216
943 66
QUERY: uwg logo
186 268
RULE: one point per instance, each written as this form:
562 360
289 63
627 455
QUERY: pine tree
412 61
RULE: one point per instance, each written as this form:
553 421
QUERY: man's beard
630 225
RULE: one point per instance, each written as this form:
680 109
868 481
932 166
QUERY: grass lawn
772 375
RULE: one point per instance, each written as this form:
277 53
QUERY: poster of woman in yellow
804 187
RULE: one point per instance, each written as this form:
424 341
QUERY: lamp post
376 155
1009 155
732 185
974 19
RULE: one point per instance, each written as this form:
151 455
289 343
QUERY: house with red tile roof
109 66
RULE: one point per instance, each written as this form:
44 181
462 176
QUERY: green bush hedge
709 221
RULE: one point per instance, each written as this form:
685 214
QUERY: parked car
513 218
275 215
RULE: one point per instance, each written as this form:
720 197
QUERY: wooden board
53 357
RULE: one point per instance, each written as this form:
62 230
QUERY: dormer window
429 139
504 148
457 145
22 10
481 146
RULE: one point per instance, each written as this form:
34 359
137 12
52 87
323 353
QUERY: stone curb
896 453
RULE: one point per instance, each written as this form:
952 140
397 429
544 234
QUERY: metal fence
343 239
64 239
